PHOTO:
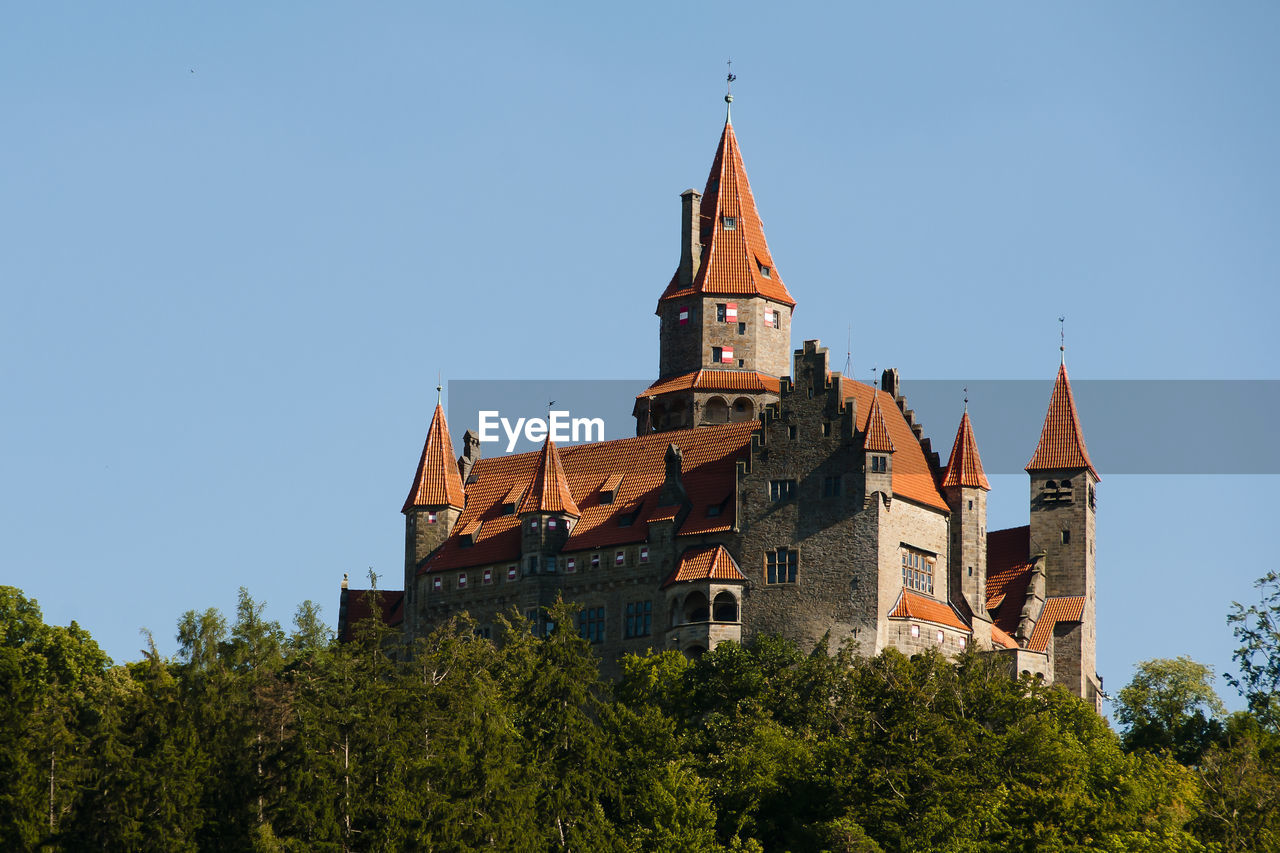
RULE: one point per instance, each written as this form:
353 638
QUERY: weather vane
1062 337
966 398
439 385
729 78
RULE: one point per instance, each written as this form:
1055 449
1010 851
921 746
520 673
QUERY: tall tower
725 336
1063 515
432 508
965 486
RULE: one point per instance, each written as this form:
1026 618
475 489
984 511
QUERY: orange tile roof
437 481
710 457
711 562
912 605
611 484
1066 608
550 491
877 434
1008 573
734 259
1000 638
964 468
912 474
714 380
1061 440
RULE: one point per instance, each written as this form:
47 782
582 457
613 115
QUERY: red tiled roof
1066 608
361 604
714 380
712 562
550 491
964 468
710 456
912 475
1061 441
1008 572
877 434
912 605
1000 638
733 259
437 481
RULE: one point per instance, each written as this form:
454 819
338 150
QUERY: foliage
1170 705
1257 628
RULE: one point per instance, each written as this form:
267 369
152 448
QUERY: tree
1170 705
1257 628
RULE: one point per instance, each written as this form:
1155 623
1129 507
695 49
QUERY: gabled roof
877 432
711 562
714 380
437 481
964 468
1008 573
1064 608
549 491
1001 639
1061 440
708 471
911 605
912 474
734 257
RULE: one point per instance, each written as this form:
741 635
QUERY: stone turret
878 449
547 513
965 486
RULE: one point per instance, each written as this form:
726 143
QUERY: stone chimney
673 493
470 455
690 236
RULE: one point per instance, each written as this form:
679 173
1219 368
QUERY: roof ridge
437 482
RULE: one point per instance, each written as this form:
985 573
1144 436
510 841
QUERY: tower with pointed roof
547 512
1063 527
965 486
724 338
433 505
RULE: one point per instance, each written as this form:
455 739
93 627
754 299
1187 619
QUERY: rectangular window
826 429
644 553
488 576
620 558
941 637
462 581
963 642
551 524
782 490
431 518
549 565
742 328
915 630
532 565
570 565
684 315
781 565
730 222
639 619
879 464
511 573
791 432
717 354
533 524
722 312
831 487
595 561
764 271
591 624
917 570
437 584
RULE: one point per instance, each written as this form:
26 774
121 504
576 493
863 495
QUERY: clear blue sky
239 240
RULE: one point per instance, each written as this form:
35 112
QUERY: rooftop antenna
848 352
1062 339
728 93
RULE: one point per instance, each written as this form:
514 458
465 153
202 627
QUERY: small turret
879 450
547 512
965 486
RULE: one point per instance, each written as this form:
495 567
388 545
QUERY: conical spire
735 256
1061 441
550 489
964 468
877 439
437 482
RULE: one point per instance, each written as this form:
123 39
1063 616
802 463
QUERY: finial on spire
875 380
1062 338
966 399
728 94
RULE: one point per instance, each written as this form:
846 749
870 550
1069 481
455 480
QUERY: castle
759 496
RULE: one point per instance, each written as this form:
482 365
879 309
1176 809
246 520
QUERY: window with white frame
917 569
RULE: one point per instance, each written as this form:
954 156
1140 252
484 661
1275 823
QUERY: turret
547 513
878 449
965 486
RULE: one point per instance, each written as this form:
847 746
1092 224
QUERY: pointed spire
964 468
735 256
437 482
550 489
1061 440
877 439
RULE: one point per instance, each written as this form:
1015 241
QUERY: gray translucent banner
1220 426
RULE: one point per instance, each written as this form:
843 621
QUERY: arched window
725 607
743 410
716 411
696 608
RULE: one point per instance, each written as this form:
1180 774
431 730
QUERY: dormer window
628 519
466 540
764 271
609 488
730 223
508 509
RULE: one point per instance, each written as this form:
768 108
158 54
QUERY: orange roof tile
437 481
549 491
912 605
964 468
912 474
711 562
1061 441
714 380
710 457
877 434
1008 572
735 256
1066 608
1000 638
